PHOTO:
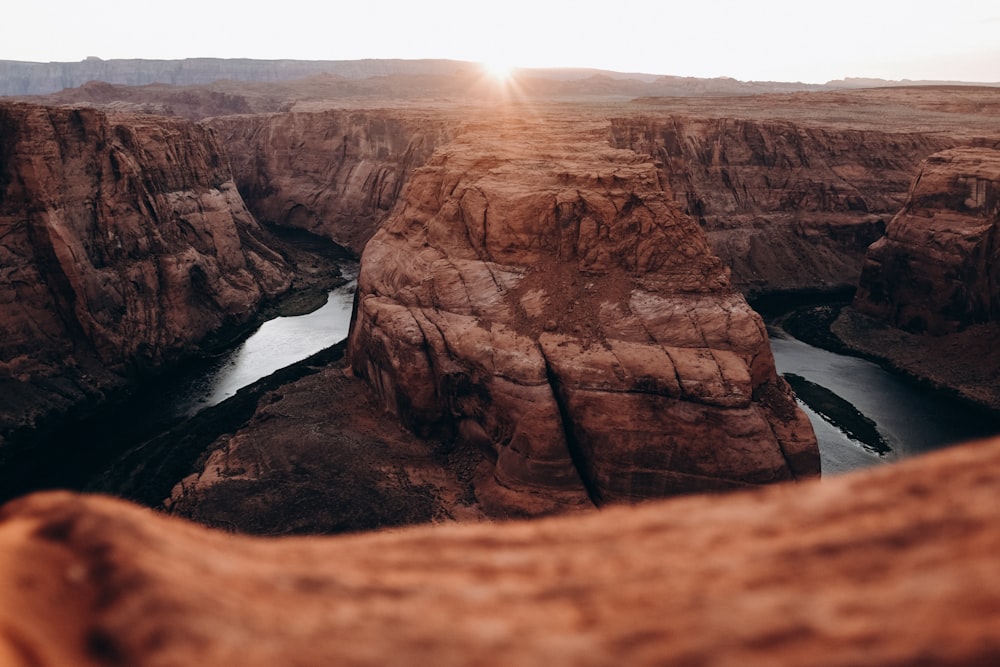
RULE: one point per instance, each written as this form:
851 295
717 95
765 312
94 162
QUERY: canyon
551 318
125 243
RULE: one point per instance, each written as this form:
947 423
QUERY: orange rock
525 257
896 565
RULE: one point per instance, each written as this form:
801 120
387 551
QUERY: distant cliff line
31 78
35 78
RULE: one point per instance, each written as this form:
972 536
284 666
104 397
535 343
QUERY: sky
763 40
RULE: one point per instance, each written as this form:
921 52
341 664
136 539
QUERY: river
909 419
862 414
279 342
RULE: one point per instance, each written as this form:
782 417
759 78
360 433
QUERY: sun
498 69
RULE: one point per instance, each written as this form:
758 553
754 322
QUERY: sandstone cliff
123 242
937 269
895 566
787 205
537 294
928 300
334 173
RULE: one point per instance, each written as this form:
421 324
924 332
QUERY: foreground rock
538 295
895 566
928 300
123 243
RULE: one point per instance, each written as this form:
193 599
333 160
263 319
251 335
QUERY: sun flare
498 69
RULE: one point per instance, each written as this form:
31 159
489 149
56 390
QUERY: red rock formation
787 205
937 269
538 294
893 566
334 173
123 241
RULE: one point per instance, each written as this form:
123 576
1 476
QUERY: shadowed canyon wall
937 269
123 242
928 300
786 205
334 173
537 294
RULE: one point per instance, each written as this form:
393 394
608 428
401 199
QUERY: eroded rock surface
123 241
334 173
895 566
538 294
937 269
787 205
928 300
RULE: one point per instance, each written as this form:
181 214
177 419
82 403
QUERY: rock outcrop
894 566
786 205
937 269
928 300
334 173
537 294
123 242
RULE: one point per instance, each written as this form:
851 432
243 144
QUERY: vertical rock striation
334 173
937 269
785 205
537 294
123 241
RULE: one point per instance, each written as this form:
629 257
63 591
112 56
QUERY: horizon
774 40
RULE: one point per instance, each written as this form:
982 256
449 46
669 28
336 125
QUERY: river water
277 343
907 418
910 419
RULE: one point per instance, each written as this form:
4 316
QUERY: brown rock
937 269
334 173
893 566
123 241
518 225
786 204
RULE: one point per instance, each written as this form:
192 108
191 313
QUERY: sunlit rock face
787 205
123 242
937 269
334 173
538 294
893 566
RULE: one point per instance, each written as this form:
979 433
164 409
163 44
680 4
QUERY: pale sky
781 40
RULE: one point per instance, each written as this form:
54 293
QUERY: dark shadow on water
839 413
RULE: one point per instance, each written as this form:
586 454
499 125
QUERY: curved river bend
909 419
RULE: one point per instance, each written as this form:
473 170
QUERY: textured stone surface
334 173
539 294
786 204
895 566
123 241
937 269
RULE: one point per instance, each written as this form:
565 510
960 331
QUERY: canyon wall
928 299
539 296
123 242
937 269
893 566
334 173
786 205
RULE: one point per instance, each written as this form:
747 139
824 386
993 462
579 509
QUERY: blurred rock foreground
895 566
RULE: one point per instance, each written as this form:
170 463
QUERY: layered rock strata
123 242
786 205
539 295
894 566
928 300
334 173
937 269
